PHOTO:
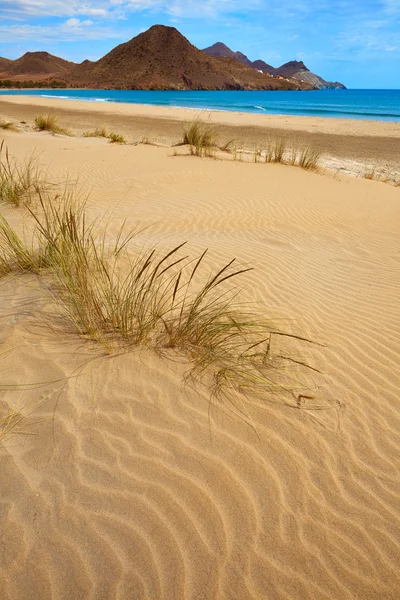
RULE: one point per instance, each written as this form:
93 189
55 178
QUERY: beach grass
116 138
19 181
49 122
163 300
8 125
200 136
102 132
105 292
98 132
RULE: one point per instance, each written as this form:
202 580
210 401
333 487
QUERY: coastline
347 145
340 126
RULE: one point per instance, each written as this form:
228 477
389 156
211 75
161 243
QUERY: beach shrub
49 122
7 125
98 132
19 181
116 138
200 136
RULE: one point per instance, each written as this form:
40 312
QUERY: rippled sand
135 486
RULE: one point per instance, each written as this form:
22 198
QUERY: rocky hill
294 69
34 64
5 63
162 58
298 70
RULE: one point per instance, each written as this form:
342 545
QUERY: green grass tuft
19 182
116 138
8 125
99 132
49 122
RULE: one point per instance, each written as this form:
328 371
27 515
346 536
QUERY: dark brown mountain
263 66
38 63
219 50
162 58
5 64
293 70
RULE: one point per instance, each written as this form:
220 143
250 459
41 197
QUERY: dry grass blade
99 132
8 125
16 253
19 182
200 136
116 138
308 159
49 122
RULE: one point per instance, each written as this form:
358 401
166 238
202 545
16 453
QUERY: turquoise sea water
379 105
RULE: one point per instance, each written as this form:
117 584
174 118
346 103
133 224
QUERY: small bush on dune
200 136
8 125
276 150
99 132
281 150
116 138
308 159
19 182
49 122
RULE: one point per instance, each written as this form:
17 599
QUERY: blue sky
353 41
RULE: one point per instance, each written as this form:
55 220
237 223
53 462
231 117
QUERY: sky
356 42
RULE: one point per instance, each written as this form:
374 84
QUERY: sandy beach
348 146
125 483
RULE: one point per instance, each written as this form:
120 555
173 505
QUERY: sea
377 105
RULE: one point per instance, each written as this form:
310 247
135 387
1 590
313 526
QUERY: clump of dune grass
276 150
17 253
200 136
159 299
116 138
98 132
8 125
165 300
229 146
49 122
19 182
372 173
308 159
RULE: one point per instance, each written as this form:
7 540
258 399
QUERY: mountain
298 70
5 63
293 69
162 58
38 63
263 66
219 50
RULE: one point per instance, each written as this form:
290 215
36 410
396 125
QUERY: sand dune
134 486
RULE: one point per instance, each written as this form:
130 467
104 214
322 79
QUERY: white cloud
114 8
65 32
75 23
54 8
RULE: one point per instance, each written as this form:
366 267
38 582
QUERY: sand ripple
134 487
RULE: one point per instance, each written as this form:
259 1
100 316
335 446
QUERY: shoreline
296 122
348 146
